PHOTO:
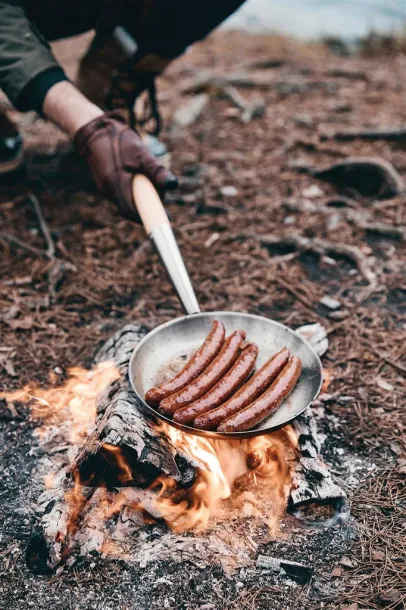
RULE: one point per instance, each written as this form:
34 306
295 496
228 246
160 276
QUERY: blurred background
320 18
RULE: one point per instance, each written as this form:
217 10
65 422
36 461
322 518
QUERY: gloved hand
115 153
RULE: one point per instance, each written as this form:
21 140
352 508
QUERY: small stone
330 302
351 607
338 315
327 260
346 562
229 191
189 113
313 191
303 120
211 240
207 607
384 385
336 572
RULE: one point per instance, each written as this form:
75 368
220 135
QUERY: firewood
149 454
313 489
369 176
388 135
123 423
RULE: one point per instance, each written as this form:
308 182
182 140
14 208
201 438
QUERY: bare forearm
68 108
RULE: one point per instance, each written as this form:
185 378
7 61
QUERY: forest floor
240 209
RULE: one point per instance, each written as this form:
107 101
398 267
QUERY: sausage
245 395
266 404
214 372
223 389
193 368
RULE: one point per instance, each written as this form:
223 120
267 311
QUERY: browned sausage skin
211 375
223 389
268 402
193 368
247 394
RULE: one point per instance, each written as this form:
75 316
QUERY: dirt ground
55 313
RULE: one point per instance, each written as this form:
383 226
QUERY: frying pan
182 336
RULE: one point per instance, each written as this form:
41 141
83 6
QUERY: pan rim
213 433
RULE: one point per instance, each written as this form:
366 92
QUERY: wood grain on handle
148 203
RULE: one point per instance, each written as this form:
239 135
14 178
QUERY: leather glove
115 153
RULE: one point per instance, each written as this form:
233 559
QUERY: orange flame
327 377
74 401
235 478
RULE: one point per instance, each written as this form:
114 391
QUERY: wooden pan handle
158 228
148 204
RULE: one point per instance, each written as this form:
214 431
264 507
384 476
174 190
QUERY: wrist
68 108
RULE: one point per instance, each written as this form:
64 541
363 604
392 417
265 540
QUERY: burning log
125 448
314 497
123 425
128 453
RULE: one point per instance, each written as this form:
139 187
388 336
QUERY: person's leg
162 30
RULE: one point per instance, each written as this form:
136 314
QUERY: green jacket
27 65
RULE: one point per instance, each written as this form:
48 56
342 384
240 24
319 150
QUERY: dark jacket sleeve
27 67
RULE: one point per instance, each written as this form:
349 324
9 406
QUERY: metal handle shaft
157 226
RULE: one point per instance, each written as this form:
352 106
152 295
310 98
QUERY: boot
11 146
112 81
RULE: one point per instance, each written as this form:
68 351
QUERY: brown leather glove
115 153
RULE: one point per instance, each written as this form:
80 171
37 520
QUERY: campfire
115 471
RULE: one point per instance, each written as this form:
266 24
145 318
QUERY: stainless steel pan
180 337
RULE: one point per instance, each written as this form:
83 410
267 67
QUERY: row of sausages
211 392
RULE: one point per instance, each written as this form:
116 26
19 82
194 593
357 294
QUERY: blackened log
314 497
124 424
120 424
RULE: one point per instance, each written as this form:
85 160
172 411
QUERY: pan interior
181 337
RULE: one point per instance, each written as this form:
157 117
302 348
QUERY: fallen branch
370 176
211 84
205 80
360 219
323 248
388 135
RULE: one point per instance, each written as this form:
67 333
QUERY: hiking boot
11 146
112 81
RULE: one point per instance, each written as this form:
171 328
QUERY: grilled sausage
247 394
266 404
193 368
223 389
214 372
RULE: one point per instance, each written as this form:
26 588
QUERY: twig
354 216
297 295
393 363
389 135
211 83
22 244
50 251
